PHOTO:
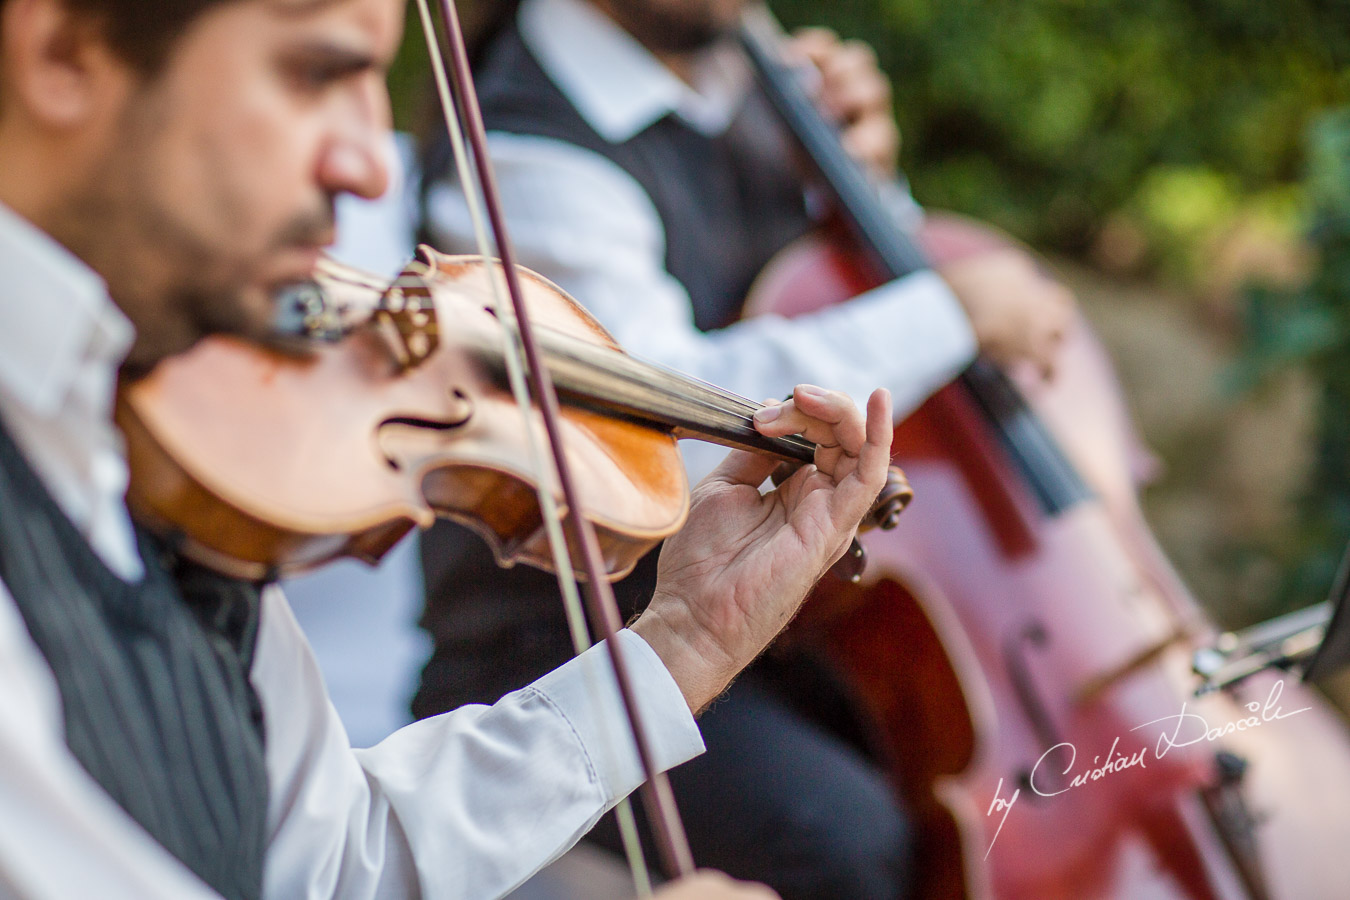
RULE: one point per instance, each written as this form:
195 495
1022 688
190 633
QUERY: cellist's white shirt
466 805
585 223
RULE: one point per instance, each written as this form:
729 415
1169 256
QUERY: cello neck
892 252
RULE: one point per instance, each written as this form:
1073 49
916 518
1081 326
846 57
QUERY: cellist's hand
735 575
854 94
1019 314
709 885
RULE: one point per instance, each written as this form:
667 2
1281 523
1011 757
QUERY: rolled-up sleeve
464 805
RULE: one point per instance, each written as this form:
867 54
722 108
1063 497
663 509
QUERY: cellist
163 730
643 173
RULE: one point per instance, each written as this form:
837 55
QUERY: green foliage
1185 212
410 76
1310 328
1048 116
1053 117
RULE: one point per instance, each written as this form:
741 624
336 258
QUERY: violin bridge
406 319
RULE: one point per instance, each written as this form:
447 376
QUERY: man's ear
55 62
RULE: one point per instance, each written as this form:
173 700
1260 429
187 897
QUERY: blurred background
1185 166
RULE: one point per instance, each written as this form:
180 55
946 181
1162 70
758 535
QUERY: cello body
1026 676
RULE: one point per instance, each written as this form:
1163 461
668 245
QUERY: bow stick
603 611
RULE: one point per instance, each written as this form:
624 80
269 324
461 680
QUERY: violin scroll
885 515
890 503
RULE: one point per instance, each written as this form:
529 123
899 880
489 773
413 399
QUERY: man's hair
141 31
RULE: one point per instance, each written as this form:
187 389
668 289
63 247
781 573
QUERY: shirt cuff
917 316
586 693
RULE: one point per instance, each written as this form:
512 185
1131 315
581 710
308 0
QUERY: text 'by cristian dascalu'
1180 730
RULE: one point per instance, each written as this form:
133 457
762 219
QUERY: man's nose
360 149
358 165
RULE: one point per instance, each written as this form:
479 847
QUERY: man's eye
314 76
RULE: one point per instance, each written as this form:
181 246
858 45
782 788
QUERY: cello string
512 353
665 820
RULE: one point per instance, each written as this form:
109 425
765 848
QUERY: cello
1021 647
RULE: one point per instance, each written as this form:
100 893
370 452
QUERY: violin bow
603 611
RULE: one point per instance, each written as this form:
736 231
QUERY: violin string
734 402
669 397
672 389
640 371
605 375
552 519
705 402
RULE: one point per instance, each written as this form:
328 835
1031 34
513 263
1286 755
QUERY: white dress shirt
465 805
585 223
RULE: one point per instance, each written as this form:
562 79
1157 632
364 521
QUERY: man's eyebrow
338 59
299 7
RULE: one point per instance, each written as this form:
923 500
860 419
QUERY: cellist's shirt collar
616 84
62 340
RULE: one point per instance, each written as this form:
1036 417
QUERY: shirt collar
616 84
56 317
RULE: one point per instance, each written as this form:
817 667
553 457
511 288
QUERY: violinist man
164 735
642 173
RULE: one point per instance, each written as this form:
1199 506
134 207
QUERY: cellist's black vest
153 680
727 204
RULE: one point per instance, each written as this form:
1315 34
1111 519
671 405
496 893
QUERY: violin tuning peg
891 502
851 565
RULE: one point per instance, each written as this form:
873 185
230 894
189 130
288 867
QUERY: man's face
675 26
219 182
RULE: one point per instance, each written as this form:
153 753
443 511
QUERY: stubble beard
175 285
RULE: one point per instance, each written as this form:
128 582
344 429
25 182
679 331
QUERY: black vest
727 204
153 680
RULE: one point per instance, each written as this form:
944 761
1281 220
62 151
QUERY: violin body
995 648
262 462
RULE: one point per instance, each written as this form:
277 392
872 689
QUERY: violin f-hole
402 438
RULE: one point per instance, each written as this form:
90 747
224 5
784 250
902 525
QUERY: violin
263 461
1022 625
